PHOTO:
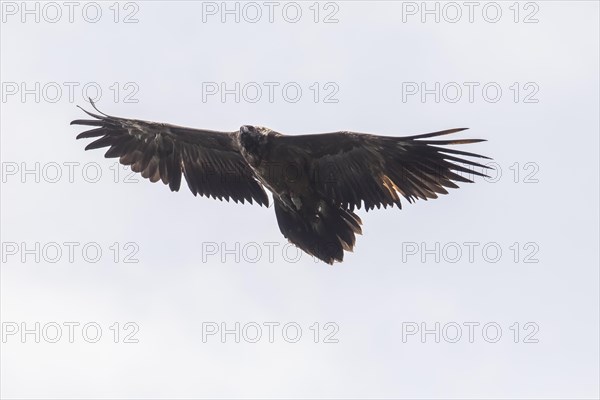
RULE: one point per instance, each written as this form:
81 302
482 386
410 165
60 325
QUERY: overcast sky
489 291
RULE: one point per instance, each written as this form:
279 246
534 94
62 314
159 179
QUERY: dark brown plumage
317 180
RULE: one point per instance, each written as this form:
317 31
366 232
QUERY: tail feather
324 231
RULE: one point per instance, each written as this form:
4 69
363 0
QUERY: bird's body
317 181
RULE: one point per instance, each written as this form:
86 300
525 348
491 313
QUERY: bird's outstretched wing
350 168
209 160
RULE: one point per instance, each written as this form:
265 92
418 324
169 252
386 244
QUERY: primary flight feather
317 180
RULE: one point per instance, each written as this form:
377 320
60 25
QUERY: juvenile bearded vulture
317 181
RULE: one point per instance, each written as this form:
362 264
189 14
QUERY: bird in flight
317 180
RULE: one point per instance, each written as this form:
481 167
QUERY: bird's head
252 137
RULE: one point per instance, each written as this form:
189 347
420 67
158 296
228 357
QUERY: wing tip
437 133
93 104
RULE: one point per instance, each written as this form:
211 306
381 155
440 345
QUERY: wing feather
209 160
355 169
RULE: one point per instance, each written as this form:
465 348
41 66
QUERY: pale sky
517 252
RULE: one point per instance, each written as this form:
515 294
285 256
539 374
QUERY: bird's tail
323 230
